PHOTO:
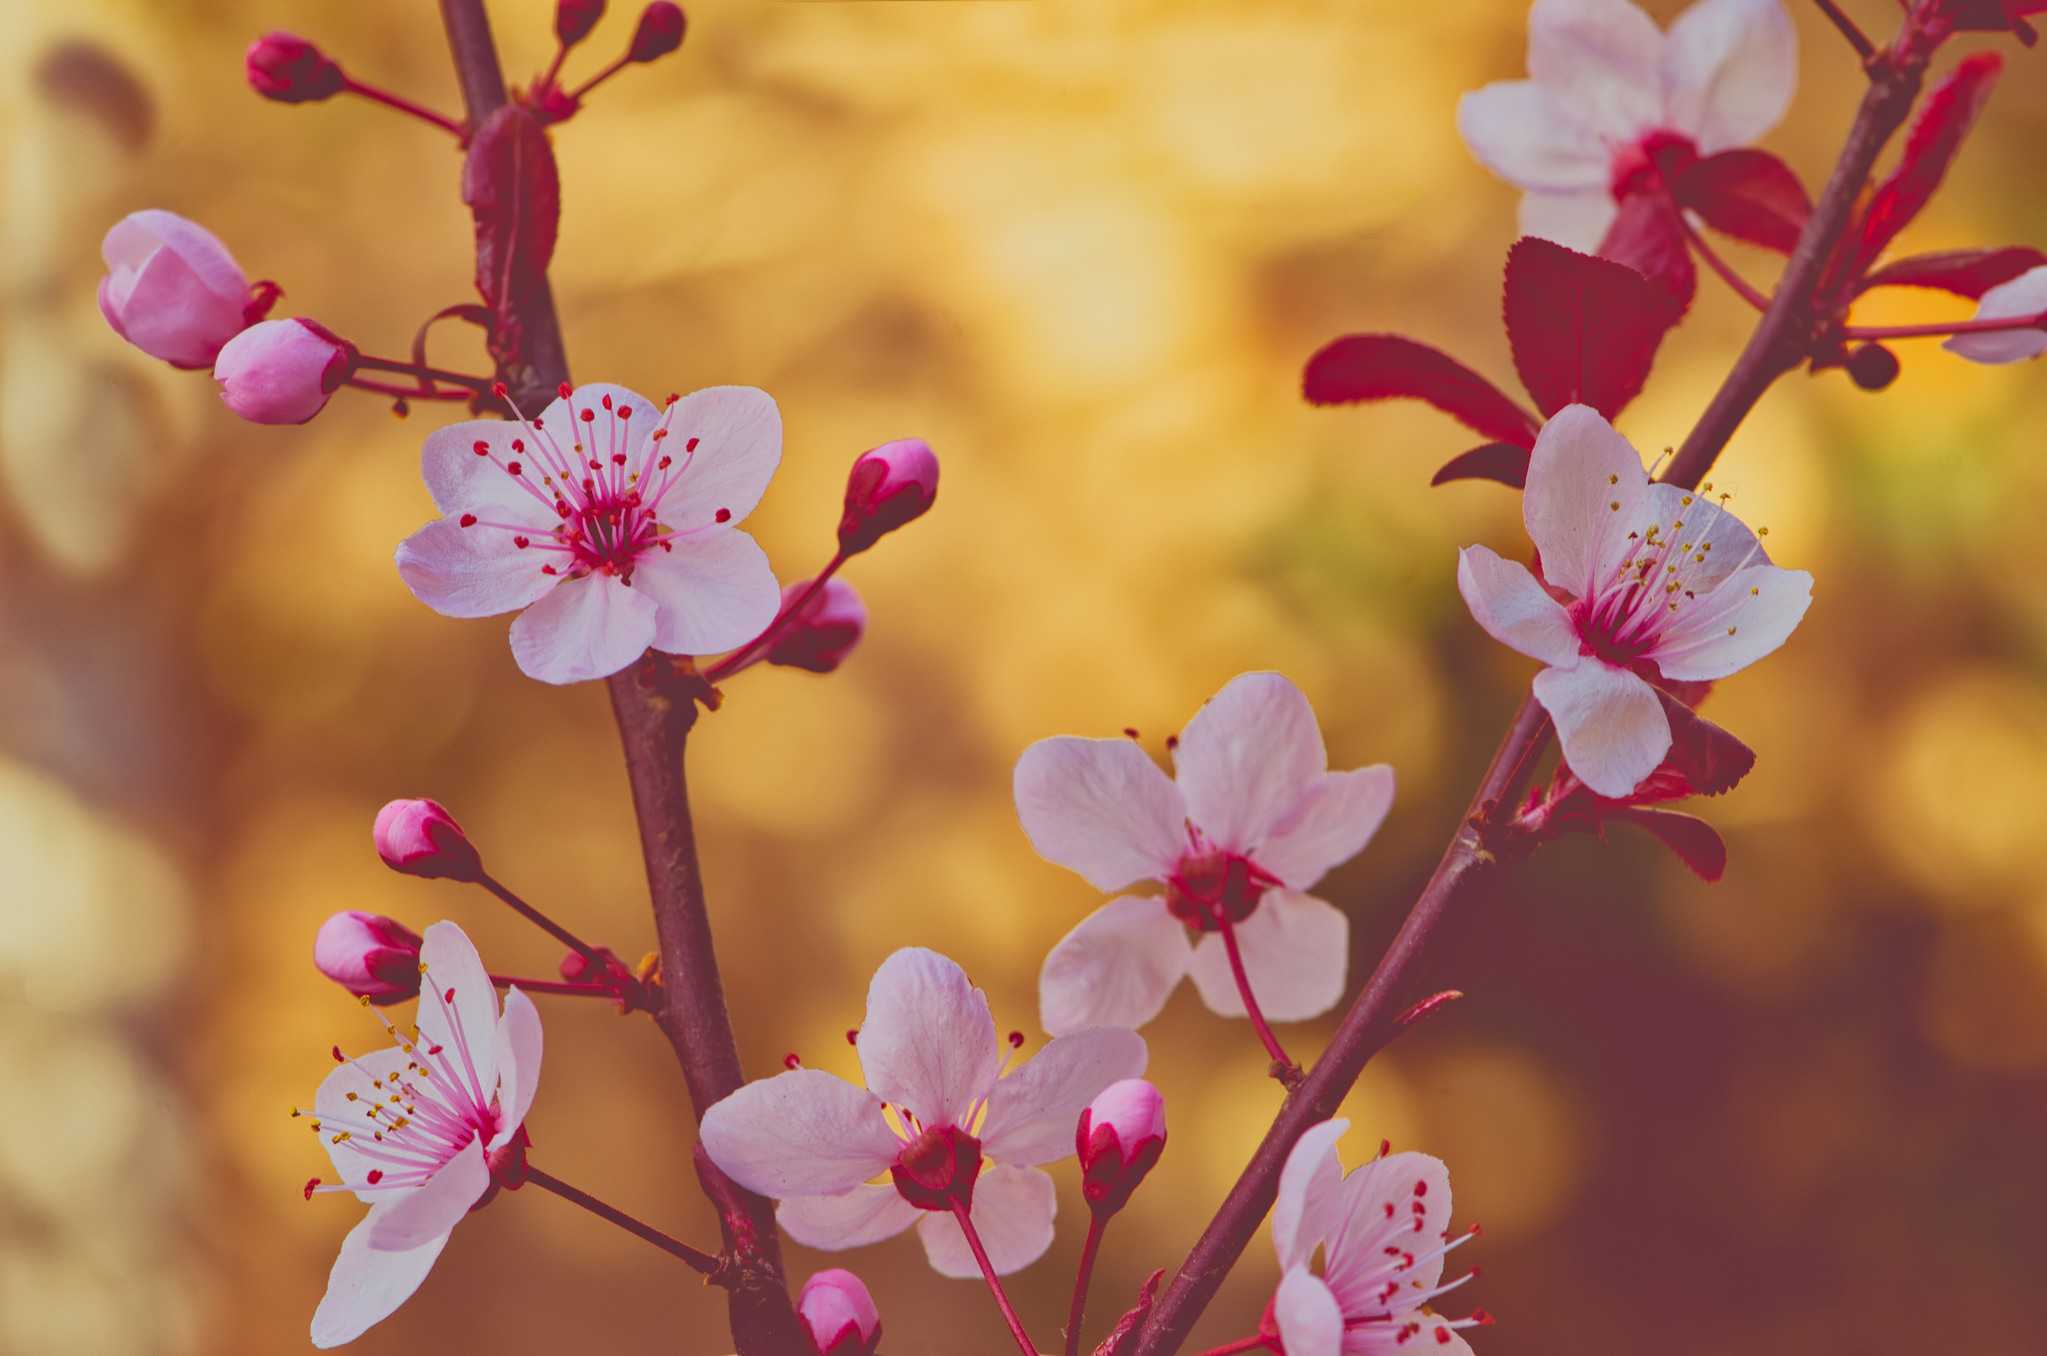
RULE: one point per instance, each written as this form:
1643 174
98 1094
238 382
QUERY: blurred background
1083 249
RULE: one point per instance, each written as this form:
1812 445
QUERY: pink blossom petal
1310 1321
1116 969
1749 616
715 592
1012 1213
1306 1211
1032 1115
465 1025
359 1076
471 571
1609 722
1296 951
519 1049
1330 824
1357 1274
584 628
1100 807
170 315
1577 221
135 237
2025 295
1513 609
1529 139
928 1042
367 1285
801 1133
847 1219
1580 469
461 482
739 445
1602 60
428 1212
1246 757
1705 527
1729 68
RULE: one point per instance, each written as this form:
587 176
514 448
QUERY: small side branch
705 1262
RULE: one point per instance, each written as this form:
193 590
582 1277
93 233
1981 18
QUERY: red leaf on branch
1697 844
1389 366
1504 462
1966 273
1937 134
1996 16
1649 238
1708 759
1582 329
513 191
1748 194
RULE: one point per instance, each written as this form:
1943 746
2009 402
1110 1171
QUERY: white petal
1310 1322
1355 1267
1246 757
1609 722
739 445
1035 1111
1579 470
1512 608
715 592
1116 969
1750 615
604 436
2023 296
1577 221
1729 69
1707 530
1012 1213
928 1042
849 1219
801 1133
1602 60
1100 807
460 481
582 629
1296 951
1530 140
366 1286
1305 1211
519 1049
1330 824
359 1076
465 1025
429 1212
472 571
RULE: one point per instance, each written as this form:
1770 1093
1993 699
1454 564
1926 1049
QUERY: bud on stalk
369 955
839 1315
287 68
573 20
888 487
1121 1135
420 838
660 32
282 371
820 634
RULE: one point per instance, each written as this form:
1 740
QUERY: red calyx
1107 1177
287 68
938 1168
660 32
1215 882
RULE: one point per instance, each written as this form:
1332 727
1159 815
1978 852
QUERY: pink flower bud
573 20
839 1314
1120 1137
369 955
660 32
172 289
282 371
888 487
824 631
287 68
420 838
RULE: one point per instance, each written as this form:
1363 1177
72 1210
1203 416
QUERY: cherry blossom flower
421 1131
2024 296
282 371
173 290
613 525
1383 1232
1660 581
938 1115
1254 820
1610 94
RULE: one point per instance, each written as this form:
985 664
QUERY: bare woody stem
703 1261
1779 343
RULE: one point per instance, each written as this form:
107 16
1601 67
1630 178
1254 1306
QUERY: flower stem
1016 1327
1251 1343
426 375
1097 1224
739 658
703 1261
556 986
1864 48
1723 268
1935 331
544 923
1284 1069
389 100
403 392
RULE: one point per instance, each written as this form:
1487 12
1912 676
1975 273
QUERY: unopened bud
1121 1135
172 289
573 20
420 838
889 486
839 1314
282 371
1872 366
820 634
369 955
287 68
660 32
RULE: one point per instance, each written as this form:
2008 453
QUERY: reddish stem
703 1261
1241 1344
556 986
544 923
739 658
425 374
390 100
403 392
1097 1224
1285 1069
576 94
1864 48
1723 268
1935 331
1016 1327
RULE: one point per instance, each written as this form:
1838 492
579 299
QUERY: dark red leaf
1748 194
1696 843
1949 113
1996 16
514 192
1582 329
1388 366
1966 273
1504 462
1648 237
1709 759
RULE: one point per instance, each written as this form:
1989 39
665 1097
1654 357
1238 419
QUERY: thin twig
1935 331
1864 48
1097 1224
1723 268
543 922
1016 1327
705 1262
390 100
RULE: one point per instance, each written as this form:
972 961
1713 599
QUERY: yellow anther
1762 532
1686 501
1730 630
1615 506
1613 480
351 1097
1754 592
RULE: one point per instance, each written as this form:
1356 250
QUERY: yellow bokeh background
1082 248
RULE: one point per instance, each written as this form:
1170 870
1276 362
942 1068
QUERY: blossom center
1665 577
938 1169
1651 163
1211 888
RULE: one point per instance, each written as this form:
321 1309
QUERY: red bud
287 68
888 487
573 20
420 838
660 32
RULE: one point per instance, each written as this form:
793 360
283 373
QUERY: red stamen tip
469 520
1129 732
723 515
500 390
480 447
1484 1319
672 398
1172 742
1016 1040
376 1176
564 391
1443 1337
790 1061
589 416
549 569
618 458
518 444
607 405
311 1182
625 411
515 468
1385 1147
691 445
448 997
853 1036
339 1058
522 543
